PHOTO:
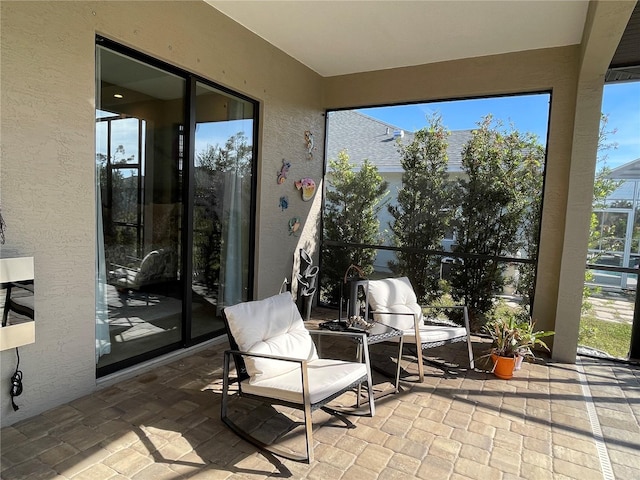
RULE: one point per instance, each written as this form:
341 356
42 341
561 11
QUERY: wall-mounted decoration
284 170
284 202
308 137
306 283
294 226
308 187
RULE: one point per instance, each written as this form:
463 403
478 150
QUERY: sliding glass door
174 158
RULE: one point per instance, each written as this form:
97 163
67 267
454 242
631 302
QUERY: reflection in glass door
140 110
222 205
174 195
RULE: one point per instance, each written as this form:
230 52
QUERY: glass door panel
140 118
222 206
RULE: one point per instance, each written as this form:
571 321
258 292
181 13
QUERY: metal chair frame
426 345
306 406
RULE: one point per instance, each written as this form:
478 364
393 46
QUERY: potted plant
512 339
529 338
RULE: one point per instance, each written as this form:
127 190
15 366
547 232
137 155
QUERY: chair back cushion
394 295
272 326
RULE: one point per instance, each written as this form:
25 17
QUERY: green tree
423 210
352 202
494 199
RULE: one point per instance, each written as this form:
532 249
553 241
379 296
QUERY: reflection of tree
119 207
212 163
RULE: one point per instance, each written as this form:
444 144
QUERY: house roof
364 137
628 171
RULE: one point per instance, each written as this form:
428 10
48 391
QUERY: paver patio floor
551 421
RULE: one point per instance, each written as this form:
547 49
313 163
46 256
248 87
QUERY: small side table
385 333
381 333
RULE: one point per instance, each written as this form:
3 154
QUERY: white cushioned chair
393 302
156 267
277 362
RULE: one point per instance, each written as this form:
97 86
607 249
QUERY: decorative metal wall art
308 137
306 283
294 226
284 170
308 187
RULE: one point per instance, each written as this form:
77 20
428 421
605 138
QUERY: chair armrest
302 365
443 307
264 355
377 312
450 322
393 313
117 265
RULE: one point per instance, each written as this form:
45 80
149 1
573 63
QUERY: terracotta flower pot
503 366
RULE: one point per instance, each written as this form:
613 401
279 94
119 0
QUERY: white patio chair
393 302
277 363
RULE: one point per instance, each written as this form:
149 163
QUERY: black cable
16 383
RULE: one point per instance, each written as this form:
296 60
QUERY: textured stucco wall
47 165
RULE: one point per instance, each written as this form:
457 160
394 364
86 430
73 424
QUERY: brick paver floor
165 424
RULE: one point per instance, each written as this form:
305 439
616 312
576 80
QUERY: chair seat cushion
326 377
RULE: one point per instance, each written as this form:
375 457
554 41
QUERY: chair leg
308 458
308 431
400 348
472 364
420 365
225 387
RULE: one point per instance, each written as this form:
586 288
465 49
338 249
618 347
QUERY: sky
529 113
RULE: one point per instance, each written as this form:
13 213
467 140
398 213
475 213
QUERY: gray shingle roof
364 137
628 171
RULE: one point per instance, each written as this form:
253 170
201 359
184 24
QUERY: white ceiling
342 37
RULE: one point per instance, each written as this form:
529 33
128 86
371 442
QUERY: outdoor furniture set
278 363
